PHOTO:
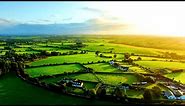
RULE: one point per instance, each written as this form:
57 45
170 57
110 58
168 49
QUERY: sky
120 17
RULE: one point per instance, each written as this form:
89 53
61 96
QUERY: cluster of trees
153 93
173 55
127 58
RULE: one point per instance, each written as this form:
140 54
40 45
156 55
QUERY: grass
161 64
134 94
119 48
85 77
20 49
102 67
81 58
90 85
115 79
14 91
137 69
148 58
28 52
177 76
52 70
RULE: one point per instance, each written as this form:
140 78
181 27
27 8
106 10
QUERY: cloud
91 26
6 22
93 10
67 19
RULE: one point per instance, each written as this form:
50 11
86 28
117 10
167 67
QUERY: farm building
77 83
125 86
177 93
111 62
169 95
123 68
73 83
139 83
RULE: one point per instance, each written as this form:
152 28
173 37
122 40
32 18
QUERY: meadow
161 64
179 76
84 77
53 70
115 79
14 91
102 67
81 58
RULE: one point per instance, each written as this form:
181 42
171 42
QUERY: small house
143 83
77 83
125 86
177 93
123 68
111 62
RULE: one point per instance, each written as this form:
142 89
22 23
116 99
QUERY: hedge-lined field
52 70
161 64
177 76
85 77
115 79
120 48
81 58
102 67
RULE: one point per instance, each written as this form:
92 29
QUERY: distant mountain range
92 26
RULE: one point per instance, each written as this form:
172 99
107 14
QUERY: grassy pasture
85 77
25 46
119 48
1 47
102 67
148 58
28 52
134 94
137 69
177 76
171 43
115 79
81 58
14 91
52 70
161 64
20 49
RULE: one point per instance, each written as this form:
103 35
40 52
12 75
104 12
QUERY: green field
115 79
21 49
14 91
134 94
81 58
52 70
85 77
161 64
148 58
28 52
102 67
177 76
120 48
137 69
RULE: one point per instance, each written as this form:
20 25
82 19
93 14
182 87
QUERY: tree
101 55
97 52
130 61
115 56
157 91
92 93
139 58
118 92
149 79
101 92
147 95
126 56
